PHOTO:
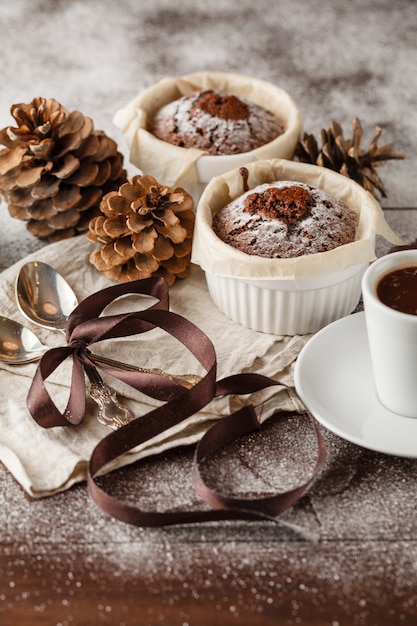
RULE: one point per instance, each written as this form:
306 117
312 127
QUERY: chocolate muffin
285 219
215 122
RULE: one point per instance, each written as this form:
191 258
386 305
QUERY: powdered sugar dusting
329 224
180 122
361 508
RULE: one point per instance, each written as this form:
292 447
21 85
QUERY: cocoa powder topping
290 204
227 107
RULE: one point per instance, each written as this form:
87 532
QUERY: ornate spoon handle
186 380
110 412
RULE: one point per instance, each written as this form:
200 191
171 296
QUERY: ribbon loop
92 306
40 404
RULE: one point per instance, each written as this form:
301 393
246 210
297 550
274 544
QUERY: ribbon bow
84 328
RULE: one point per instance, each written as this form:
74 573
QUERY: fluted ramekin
287 296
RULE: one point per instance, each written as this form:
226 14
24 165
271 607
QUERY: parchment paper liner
216 257
186 167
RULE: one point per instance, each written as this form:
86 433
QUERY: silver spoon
45 298
19 345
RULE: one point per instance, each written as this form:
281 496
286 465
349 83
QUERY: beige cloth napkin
46 461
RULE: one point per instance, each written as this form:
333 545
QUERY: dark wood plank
352 561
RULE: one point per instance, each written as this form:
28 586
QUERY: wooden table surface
345 555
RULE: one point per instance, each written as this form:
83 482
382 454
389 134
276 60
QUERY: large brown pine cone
55 168
146 230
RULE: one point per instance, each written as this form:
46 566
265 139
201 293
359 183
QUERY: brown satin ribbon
86 327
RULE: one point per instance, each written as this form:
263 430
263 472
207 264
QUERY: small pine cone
346 155
55 168
146 230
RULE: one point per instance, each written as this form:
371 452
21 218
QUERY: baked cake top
285 219
215 122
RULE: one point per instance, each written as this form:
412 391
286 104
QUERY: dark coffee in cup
398 289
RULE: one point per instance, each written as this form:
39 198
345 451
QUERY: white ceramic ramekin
287 296
190 168
287 307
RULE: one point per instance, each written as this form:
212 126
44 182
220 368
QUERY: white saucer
333 378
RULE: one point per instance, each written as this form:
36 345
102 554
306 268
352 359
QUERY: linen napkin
46 461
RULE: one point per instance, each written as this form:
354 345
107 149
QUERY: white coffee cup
392 337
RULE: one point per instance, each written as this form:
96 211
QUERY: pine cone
55 168
146 230
346 157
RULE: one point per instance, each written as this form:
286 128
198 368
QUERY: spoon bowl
18 344
44 296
